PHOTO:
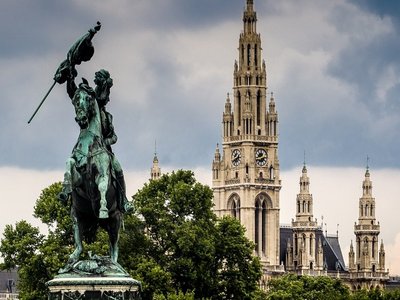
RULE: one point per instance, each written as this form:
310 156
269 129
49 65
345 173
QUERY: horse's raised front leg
102 184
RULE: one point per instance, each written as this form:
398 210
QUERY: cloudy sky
334 68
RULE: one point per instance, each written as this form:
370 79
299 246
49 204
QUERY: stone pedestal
94 279
94 288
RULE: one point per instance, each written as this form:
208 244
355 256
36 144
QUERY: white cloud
392 251
336 192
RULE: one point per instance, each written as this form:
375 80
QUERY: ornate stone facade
246 184
367 263
304 250
246 181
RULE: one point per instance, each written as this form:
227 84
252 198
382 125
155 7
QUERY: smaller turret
216 165
320 256
155 171
352 266
382 258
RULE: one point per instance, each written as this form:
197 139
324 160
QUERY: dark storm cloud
172 63
389 8
365 60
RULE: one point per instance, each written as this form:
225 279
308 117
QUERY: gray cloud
336 86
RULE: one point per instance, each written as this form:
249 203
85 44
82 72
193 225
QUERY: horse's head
84 102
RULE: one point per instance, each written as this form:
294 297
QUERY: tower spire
249 5
155 171
249 149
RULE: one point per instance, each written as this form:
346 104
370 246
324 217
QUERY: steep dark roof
333 258
286 233
333 253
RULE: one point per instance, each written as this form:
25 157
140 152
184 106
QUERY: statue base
94 279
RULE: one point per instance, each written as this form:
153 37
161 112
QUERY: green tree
19 244
188 246
173 243
38 257
306 287
238 271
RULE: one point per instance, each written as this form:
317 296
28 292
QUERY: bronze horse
94 188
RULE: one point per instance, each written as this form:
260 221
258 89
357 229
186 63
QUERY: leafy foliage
187 247
307 287
173 243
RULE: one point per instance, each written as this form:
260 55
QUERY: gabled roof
333 258
332 253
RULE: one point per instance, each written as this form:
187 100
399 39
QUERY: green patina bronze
93 178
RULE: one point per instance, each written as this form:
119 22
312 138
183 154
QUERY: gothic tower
367 264
246 181
305 251
155 171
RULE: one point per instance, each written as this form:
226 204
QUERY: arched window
271 173
239 108
257 226
234 206
264 227
311 245
248 55
262 204
373 247
296 244
366 210
256 55
242 53
258 108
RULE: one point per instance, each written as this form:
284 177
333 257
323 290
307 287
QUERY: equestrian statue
93 178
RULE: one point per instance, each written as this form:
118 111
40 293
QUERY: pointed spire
367 183
155 172
272 103
228 105
249 18
249 5
304 163
155 159
304 180
217 155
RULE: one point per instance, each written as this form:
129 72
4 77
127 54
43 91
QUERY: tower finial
367 162
304 163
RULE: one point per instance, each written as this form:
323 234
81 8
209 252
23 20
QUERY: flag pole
44 98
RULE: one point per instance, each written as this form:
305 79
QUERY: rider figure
103 83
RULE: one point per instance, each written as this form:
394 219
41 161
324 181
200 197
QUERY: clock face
236 156
261 157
